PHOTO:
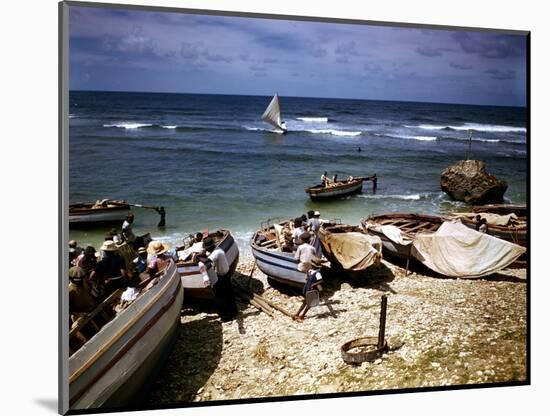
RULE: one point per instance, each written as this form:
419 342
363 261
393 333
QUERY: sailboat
272 115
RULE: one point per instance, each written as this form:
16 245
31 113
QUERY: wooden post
408 260
382 329
469 143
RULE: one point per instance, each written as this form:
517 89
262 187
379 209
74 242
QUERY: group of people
327 182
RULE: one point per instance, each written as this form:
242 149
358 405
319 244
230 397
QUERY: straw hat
76 273
157 247
109 245
316 214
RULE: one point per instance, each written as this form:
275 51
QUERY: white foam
313 119
473 126
335 132
73 116
128 126
423 138
412 197
169 127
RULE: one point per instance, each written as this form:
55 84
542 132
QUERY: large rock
468 181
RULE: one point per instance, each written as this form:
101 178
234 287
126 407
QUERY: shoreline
443 332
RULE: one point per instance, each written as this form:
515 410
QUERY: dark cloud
429 52
198 54
270 61
134 42
457 65
489 45
500 74
347 48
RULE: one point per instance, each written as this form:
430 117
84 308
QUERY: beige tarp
494 219
354 251
458 251
390 231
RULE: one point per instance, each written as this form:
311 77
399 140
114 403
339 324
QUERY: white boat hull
280 266
114 365
99 217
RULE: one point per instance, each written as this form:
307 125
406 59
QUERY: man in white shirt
127 232
223 290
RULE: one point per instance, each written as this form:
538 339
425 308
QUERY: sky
128 50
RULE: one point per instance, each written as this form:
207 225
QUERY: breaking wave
472 126
335 132
313 119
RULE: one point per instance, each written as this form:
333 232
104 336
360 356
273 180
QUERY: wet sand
441 332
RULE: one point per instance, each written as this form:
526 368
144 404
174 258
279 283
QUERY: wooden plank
81 322
422 224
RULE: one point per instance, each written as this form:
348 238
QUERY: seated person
191 252
160 257
87 260
110 272
80 299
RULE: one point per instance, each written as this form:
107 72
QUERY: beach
441 332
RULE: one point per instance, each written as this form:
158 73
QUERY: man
74 252
191 252
310 266
162 213
223 290
305 252
110 272
80 300
298 230
374 183
160 257
483 226
478 222
127 233
87 260
314 224
324 179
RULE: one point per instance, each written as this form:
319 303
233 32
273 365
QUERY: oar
143 206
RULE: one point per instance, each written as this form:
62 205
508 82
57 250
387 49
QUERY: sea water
211 161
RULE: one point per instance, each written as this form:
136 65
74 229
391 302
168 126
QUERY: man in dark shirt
110 271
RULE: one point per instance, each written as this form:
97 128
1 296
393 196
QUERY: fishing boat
336 189
111 365
445 245
502 209
350 248
510 227
107 211
407 224
191 277
271 260
272 115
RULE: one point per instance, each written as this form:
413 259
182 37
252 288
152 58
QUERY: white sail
272 114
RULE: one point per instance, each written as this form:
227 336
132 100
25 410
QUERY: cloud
347 48
501 75
372 67
429 52
134 42
198 54
490 46
460 66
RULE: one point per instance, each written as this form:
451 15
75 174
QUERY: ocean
211 161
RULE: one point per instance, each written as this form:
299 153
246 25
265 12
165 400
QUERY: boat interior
218 236
410 224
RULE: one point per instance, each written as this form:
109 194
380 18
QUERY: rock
468 181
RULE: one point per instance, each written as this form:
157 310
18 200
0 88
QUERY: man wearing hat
314 224
110 271
223 290
159 257
80 300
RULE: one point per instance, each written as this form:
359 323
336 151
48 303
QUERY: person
141 260
223 289
359 149
130 293
324 179
478 222
298 230
288 239
127 233
162 213
335 178
191 252
350 178
308 263
483 226
74 252
80 299
87 261
109 273
304 219
160 257
374 183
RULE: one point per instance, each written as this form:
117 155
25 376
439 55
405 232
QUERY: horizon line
298 96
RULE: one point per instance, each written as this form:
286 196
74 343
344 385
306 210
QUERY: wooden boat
85 214
357 249
408 224
112 367
189 272
336 189
502 209
278 265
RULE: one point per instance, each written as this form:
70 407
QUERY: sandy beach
441 332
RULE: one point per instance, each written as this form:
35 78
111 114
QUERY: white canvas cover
458 251
495 219
390 231
355 251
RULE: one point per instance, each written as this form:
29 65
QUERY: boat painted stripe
127 346
271 254
294 269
